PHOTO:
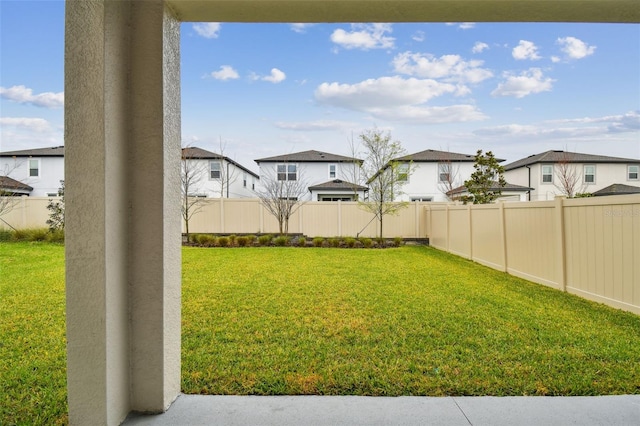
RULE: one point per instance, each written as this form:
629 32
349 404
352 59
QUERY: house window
253 183
244 180
332 171
403 172
34 168
214 170
632 172
589 174
287 171
444 172
421 198
547 173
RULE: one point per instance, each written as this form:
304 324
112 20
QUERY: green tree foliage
56 211
486 181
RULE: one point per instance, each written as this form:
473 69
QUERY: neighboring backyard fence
589 246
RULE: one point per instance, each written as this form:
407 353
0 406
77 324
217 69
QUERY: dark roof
508 187
310 157
432 155
196 153
9 184
568 157
54 151
338 184
617 189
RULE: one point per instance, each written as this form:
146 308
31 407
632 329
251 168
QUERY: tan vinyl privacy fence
589 247
26 212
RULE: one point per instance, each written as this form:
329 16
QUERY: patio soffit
406 10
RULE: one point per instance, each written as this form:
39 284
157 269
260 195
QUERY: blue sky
269 89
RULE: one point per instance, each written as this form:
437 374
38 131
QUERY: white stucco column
122 139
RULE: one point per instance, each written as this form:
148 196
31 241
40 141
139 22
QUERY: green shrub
223 241
264 240
251 239
5 235
56 236
232 240
318 241
334 242
32 234
302 241
380 242
397 241
366 242
206 240
242 241
350 242
281 241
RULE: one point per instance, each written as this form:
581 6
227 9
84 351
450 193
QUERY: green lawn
407 321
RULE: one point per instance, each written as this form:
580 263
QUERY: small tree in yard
486 181
568 178
281 195
192 171
384 174
56 211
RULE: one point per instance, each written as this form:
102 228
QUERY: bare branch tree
568 178
352 172
8 191
282 195
228 175
448 175
384 174
193 170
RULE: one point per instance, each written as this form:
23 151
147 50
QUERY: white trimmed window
332 171
287 171
633 172
444 172
403 172
214 170
244 180
34 168
547 173
589 173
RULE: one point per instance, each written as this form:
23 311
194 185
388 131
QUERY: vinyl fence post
560 245
503 235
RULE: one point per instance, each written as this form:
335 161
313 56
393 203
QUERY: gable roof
8 184
568 157
311 156
54 151
338 184
434 156
195 153
617 189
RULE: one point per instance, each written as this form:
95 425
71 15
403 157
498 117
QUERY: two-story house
207 174
34 172
554 173
326 177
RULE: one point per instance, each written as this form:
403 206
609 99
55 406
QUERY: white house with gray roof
218 176
33 172
328 177
545 173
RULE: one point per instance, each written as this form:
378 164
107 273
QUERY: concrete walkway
195 410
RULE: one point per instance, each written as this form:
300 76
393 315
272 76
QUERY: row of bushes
209 240
33 234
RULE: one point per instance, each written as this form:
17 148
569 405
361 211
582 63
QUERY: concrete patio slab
195 410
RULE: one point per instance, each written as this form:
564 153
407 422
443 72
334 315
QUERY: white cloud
525 50
320 125
300 28
575 48
418 36
462 25
276 76
397 99
364 37
32 124
207 29
527 83
628 122
450 68
479 47
24 95
226 73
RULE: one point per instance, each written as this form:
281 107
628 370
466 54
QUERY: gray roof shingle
196 153
54 151
338 184
10 184
508 187
311 156
432 155
617 189
569 157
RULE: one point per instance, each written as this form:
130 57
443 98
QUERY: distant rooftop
338 184
567 157
54 151
617 189
311 156
196 153
8 184
432 155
